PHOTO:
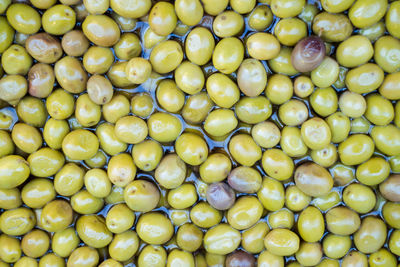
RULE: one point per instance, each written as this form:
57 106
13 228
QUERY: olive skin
240 258
14 170
332 27
228 55
391 20
41 80
282 242
222 239
23 18
199 54
101 30
58 19
70 74
389 188
313 179
44 48
308 54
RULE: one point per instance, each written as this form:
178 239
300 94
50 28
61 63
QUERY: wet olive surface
284 209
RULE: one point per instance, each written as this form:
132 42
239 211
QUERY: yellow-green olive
387 139
260 18
169 96
326 73
26 137
246 211
387 53
141 195
162 18
96 7
131 129
354 51
311 224
252 77
97 183
366 13
101 30
227 24
138 70
70 74
339 125
222 239
283 218
83 256
121 169
154 228
336 246
263 46
98 60
379 111
277 164
124 245
26 261
16 60
69 179
84 202
371 236
327 201
244 150
180 257
152 255
128 46
253 110
150 38
342 221
316 133
190 12
171 171
282 63
292 143
282 242
87 112
228 55
309 254
214 8
38 192
31 110
216 168
325 157
287 8
197 108
373 171
13 88
23 18
58 19
35 243
10 198
93 231
80 144
390 212
64 242
390 86
199 45
189 237
266 134
120 218
356 149
45 162
392 20
359 197
382 257
342 174
394 242
289 31
166 56
10 250
135 9
253 238
271 194
374 31
182 197
220 122
332 27
293 112
191 148
365 78
336 6
60 104
355 258
17 221
352 104
6 34
118 107
164 127
360 125
204 215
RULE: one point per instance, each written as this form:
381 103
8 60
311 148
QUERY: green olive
244 150
263 46
355 258
162 18
266 258
171 171
118 107
70 74
64 242
277 164
69 179
325 157
313 179
246 212
23 18
371 236
394 242
150 38
342 174
180 257
342 221
121 169
93 231
101 30
204 215
169 96
253 110
332 27
365 78
190 12
336 246
138 70
316 133
326 73
84 202
10 250
26 261
293 112
390 87
87 112
382 257
166 56
97 183
191 148
164 127
266 134
354 51
83 256
222 239
35 243
96 7
327 201
356 149
120 218
17 221
311 224
253 238
374 31
271 194
154 228
37 192
26 137
189 78
98 60
336 6
260 18
392 20
282 63
228 55
352 104
10 198
60 104
309 254
80 144
6 34
141 195
339 125
124 245
128 46
227 24
287 8
289 31
361 15
360 125
220 122
359 197
58 19
373 171
13 88
199 45
214 8
152 255
282 242
279 89
16 60
182 197
134 9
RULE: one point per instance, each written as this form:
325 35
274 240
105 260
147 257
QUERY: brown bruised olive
220 196
100 89
308 54
390 189
245 179
41 80
240 258
44 48
313 179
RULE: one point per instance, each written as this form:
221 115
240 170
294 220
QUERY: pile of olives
194 133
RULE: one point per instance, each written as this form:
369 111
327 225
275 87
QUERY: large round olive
228 24
392 19
389 188
58 19
311 225
23 18
93 231
199 45
356 149
251 77
17 221
166 56
14 170
154 228
222 239
362 15
171 172
287 8
80 144
244 149
16 60
342 221
189 78
70 74
141 195
332 27
191 148
130 9
121 169
263 46
65 242
271 194
246 212
56 216
74 43
354 51
371 236
98 60
228 55
84 256
282 242
13 88
6 34
44 48
40 80
162 18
